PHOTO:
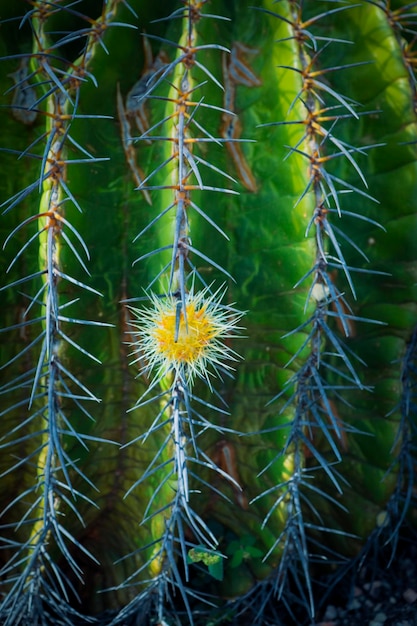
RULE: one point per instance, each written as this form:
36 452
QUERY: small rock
354 605
373 587
331 613
410 595
378 620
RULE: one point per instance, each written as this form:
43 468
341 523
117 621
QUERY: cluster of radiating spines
314 399
48 86
181 335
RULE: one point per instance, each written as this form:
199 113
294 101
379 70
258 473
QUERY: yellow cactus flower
190 344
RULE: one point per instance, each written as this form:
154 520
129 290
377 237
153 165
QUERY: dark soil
380 594
381 590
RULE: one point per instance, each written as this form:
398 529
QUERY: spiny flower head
190 344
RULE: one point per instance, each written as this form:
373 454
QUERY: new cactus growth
208 303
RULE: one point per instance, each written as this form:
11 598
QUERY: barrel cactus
208 303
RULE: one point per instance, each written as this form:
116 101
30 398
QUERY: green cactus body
261 164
